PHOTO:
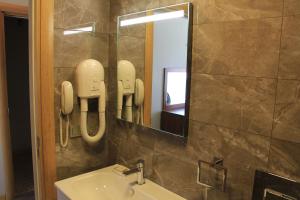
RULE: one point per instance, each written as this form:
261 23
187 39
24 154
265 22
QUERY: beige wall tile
176 175
285 159
78 47
234 102
245 48
220 11
287 111
79 158
133 49
74 13
290 48
291 7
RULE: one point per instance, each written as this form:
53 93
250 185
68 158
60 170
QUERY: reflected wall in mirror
154 61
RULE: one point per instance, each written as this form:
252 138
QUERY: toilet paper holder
217 164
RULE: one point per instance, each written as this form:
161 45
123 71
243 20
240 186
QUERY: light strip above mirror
153 18
79 30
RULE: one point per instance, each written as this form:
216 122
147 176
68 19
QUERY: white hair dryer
90 84
126 82
129 87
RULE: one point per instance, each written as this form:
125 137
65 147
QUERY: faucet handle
140 175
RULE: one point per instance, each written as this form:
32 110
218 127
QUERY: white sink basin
109 184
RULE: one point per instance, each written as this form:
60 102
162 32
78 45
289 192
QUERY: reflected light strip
153 18
79 30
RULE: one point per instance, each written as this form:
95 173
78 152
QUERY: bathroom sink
110 184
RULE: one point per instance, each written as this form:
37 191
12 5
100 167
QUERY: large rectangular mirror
154 61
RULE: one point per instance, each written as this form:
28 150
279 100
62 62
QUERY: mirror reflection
153 68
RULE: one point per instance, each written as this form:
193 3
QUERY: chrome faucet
139 170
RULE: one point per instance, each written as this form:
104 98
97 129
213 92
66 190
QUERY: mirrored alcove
154 61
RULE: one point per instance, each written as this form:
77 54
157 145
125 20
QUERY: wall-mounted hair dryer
129 87
126 83
66 109
90 84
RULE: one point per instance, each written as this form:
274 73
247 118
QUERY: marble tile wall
131 47
69 50
244 94
244 98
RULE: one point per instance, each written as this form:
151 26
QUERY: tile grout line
241 130
249 77
238 20
231 129
276 86
235 76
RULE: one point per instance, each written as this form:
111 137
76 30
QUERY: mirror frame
188 65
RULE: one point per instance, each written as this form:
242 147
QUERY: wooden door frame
14 9
42 91
18 11
148 72
5 139
40 14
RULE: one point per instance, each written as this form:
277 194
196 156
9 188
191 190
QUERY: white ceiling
19 2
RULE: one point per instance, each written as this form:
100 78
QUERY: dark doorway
17 63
